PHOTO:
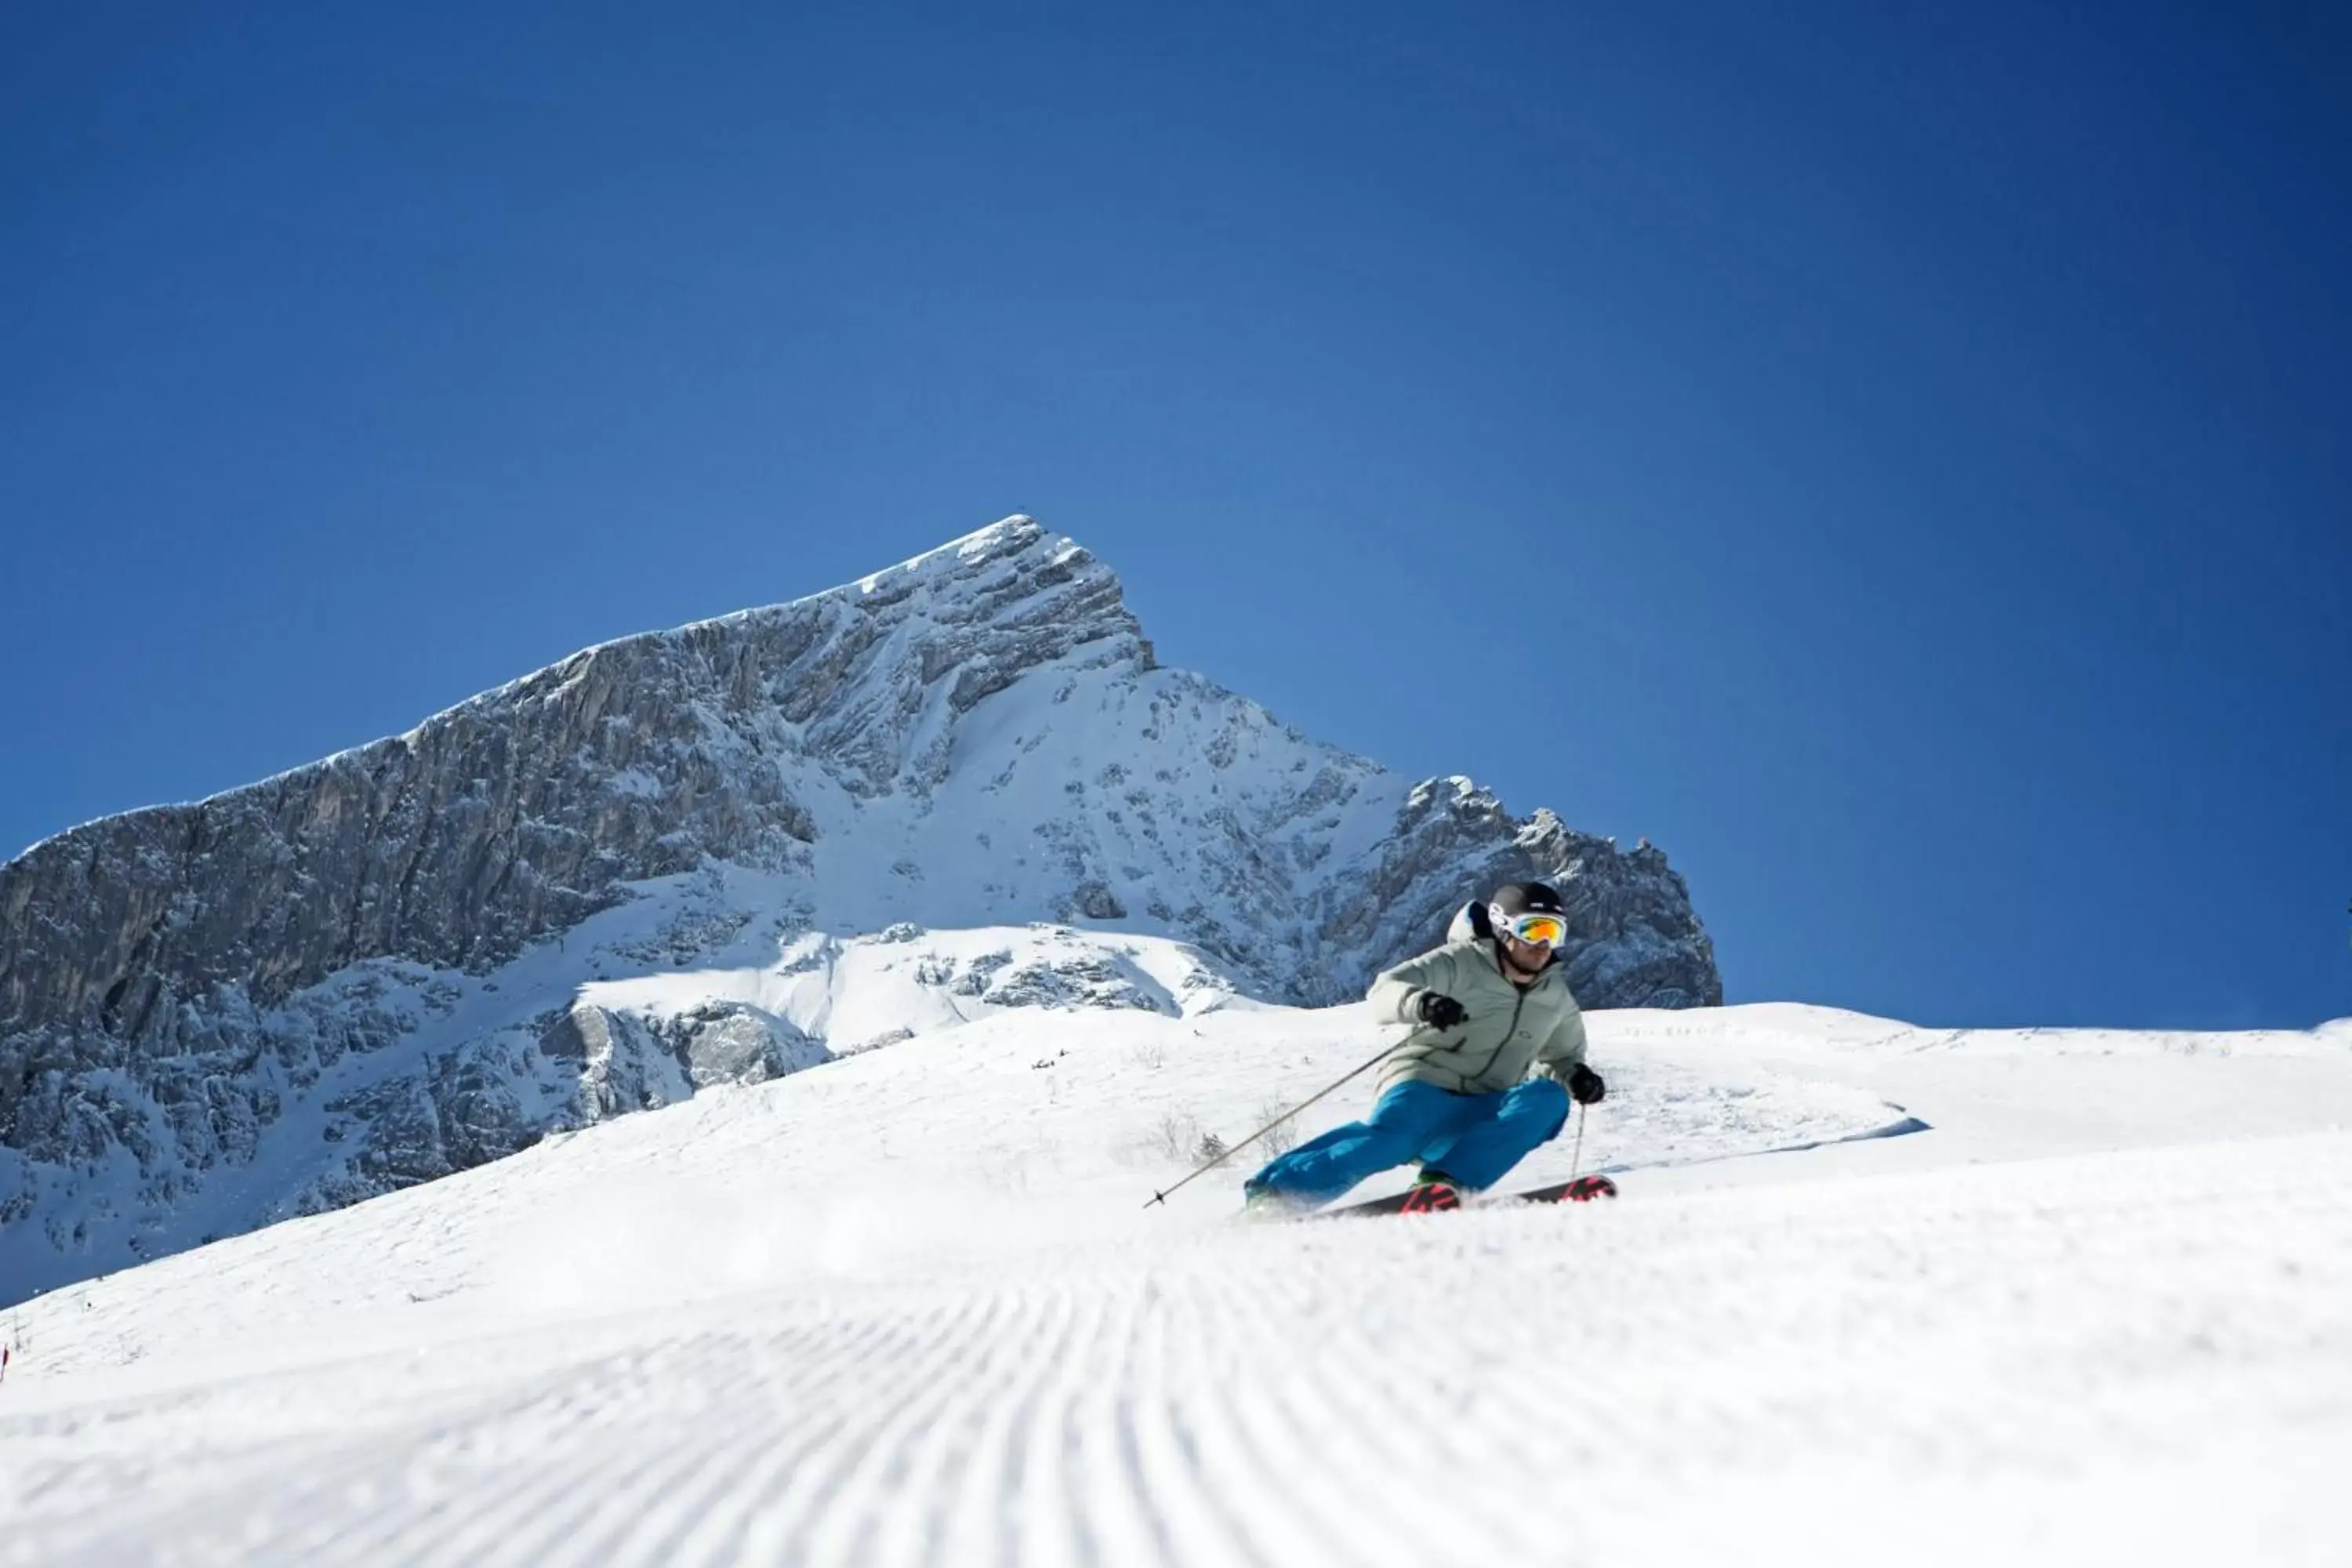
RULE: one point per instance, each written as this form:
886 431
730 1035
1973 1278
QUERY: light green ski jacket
1509 1029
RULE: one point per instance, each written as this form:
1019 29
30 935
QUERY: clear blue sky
1898 458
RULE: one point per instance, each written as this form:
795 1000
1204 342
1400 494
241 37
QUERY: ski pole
1576 1151
1353 1072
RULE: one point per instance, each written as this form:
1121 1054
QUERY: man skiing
1484 1008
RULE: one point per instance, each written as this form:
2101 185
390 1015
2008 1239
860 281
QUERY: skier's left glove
1439 1011
1584 1085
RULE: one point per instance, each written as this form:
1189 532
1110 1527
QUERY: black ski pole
1161 1198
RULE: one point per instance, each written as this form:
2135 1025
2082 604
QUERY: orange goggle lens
1545 931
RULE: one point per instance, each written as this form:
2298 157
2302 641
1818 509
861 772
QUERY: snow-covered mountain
910 1309
713 855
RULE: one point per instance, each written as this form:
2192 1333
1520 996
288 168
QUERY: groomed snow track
2008 1363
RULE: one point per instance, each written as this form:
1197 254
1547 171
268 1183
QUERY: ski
1577 1189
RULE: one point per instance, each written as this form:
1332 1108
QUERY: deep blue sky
1900 459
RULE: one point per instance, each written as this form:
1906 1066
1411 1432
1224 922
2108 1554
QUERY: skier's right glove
1439 1011
1584 1085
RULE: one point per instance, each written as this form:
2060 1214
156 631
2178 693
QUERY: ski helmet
1525 899
1530 911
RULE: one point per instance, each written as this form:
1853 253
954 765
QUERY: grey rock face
1634 941
176 983
522 811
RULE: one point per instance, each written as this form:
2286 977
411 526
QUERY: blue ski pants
1475 1139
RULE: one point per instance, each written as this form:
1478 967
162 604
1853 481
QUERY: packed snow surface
909 1306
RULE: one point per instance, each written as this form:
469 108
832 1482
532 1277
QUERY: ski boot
1433 1193
1271 1203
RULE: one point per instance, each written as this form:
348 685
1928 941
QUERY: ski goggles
1543 930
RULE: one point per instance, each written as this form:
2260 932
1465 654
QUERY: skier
1486 1006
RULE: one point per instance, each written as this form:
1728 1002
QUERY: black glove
1584 1085
1439 1011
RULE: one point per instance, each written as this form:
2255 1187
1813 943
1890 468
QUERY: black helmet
1529 912
1525 899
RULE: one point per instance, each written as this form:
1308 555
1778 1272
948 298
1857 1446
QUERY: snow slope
908 1306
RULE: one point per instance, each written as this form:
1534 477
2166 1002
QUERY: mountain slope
381 968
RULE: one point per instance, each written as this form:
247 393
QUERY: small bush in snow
1281 1139
1173 1136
